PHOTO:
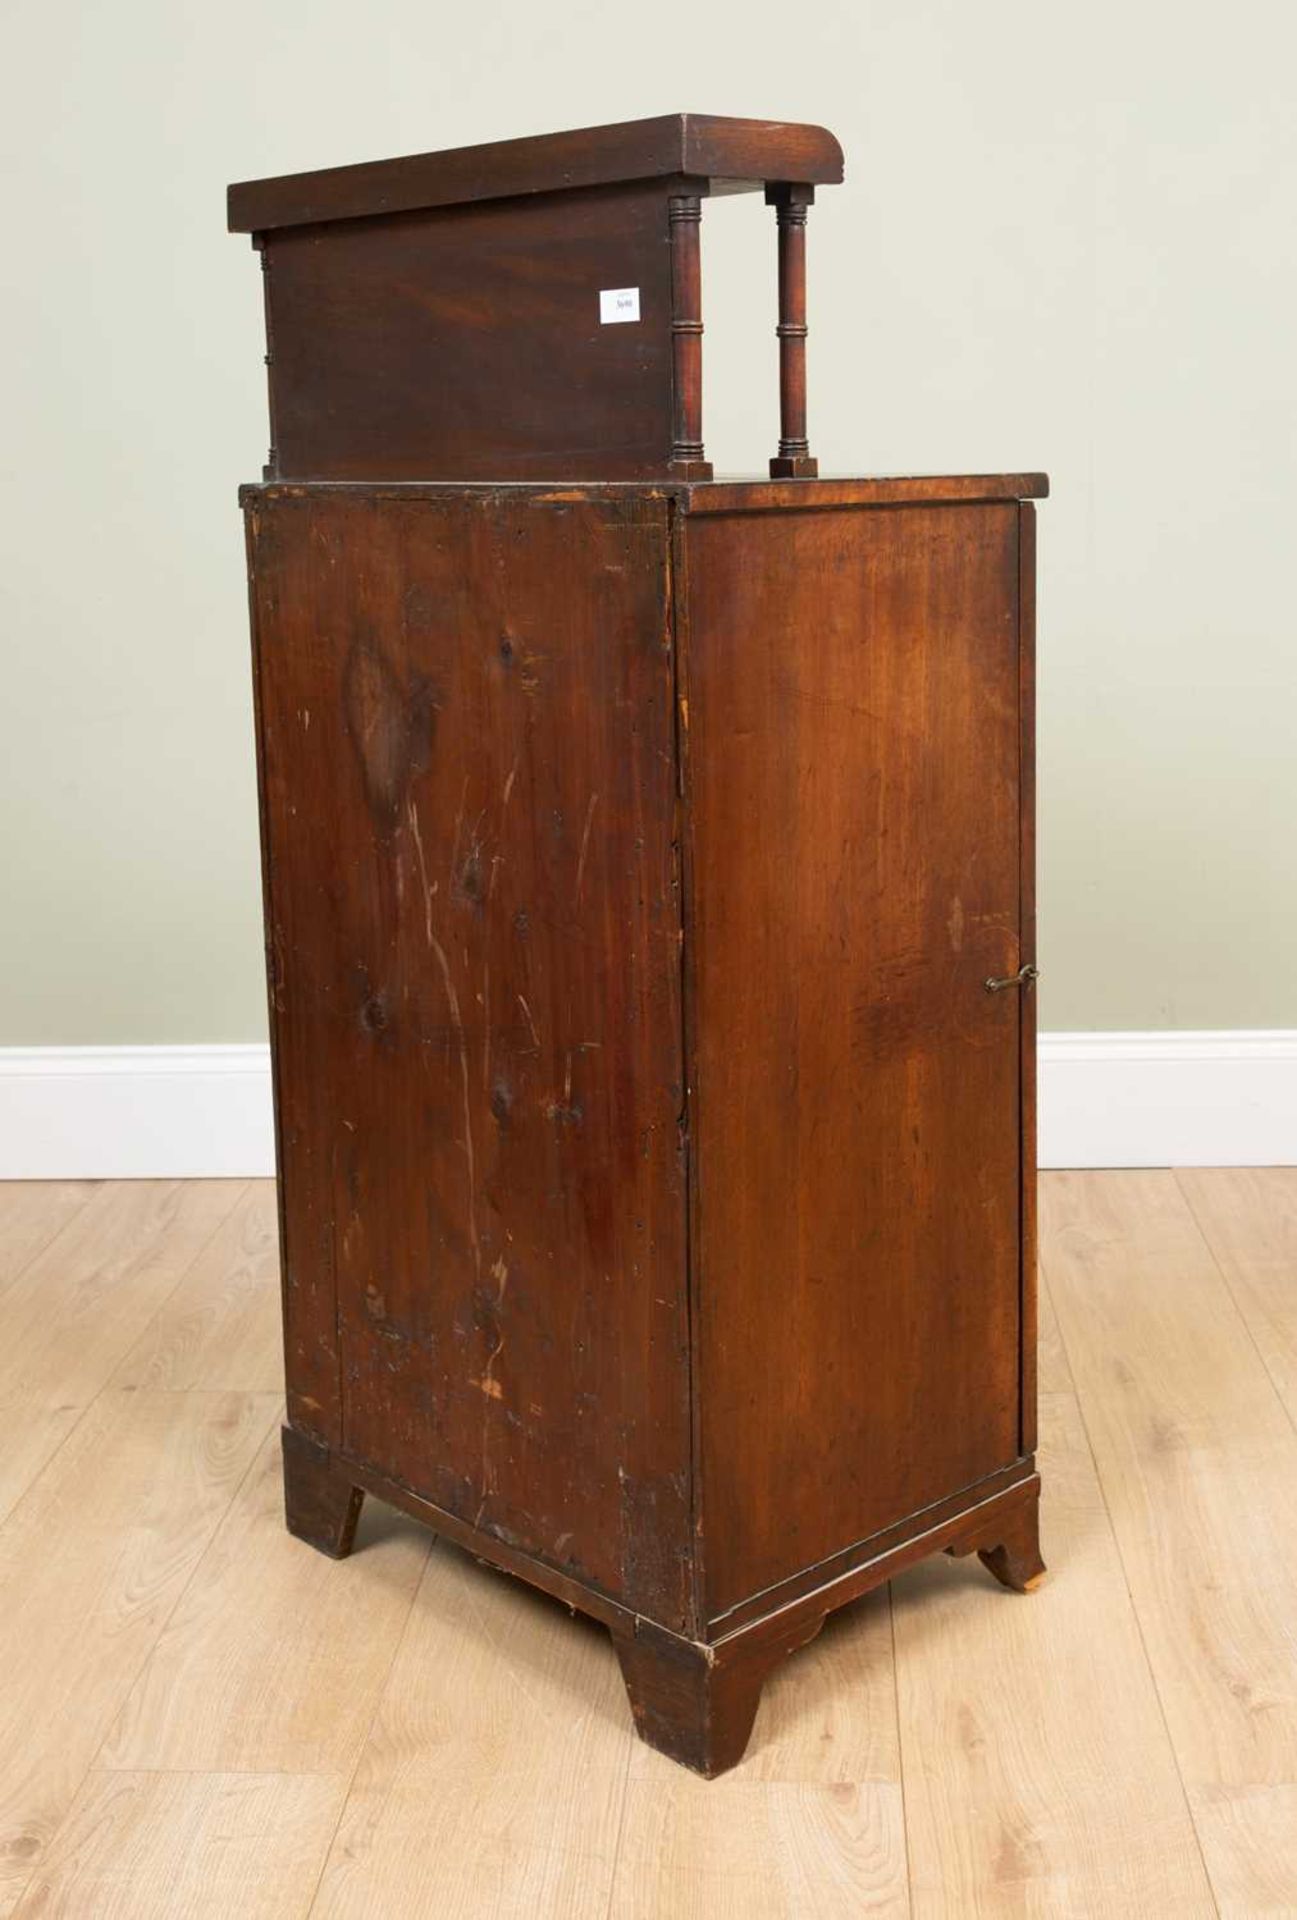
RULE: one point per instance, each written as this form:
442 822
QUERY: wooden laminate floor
201 1717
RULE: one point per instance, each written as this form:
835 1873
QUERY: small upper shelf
731 155
525 310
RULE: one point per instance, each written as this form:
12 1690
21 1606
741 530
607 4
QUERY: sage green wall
1067 240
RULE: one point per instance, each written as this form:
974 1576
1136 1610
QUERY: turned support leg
321 1505
696 1704
688 459
794 461
1008 1544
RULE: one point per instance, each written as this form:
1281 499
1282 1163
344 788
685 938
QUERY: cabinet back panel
468 790
467 342
852 691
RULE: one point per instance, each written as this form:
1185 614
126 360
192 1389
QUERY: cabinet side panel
853 809
467 343
468 767
308 1290
1027 750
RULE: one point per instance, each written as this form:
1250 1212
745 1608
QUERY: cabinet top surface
710 496
730 154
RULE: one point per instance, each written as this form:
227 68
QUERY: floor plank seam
1219 1265
900 1751
94 1767
137 1676
1042 1281
1135 1615
199 1772
362 1745
106 1384
241 1189
43 1469
1145 1259
618 1838
36 1253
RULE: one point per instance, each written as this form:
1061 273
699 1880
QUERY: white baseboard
1172 1099
1106 1100
130 1113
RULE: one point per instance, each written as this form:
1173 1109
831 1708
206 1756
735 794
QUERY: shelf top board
729 154
704 496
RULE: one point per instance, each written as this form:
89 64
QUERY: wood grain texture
77 1306
464 1801
1248 1217
730 1850
221 1327
1038 1775
189 1846
736 152
1199 1466
771 496
493 722
92 1561
827 1715
32 1213
1029 1252
710 497
322 1502
812 1816
469 789
1054 1373
697 1703
852 848
684 221
75 1310
793 460
233 1683
1040 1772
468 343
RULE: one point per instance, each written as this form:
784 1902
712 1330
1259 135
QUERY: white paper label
618 303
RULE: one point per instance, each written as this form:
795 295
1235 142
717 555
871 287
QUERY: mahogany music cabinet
648 875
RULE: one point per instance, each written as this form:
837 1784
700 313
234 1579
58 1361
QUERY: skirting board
1106 1100
1172 1099
135 1113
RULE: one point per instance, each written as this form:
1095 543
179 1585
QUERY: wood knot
471 884
373 1015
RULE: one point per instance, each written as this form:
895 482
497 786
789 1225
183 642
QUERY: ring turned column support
688 461
794 460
